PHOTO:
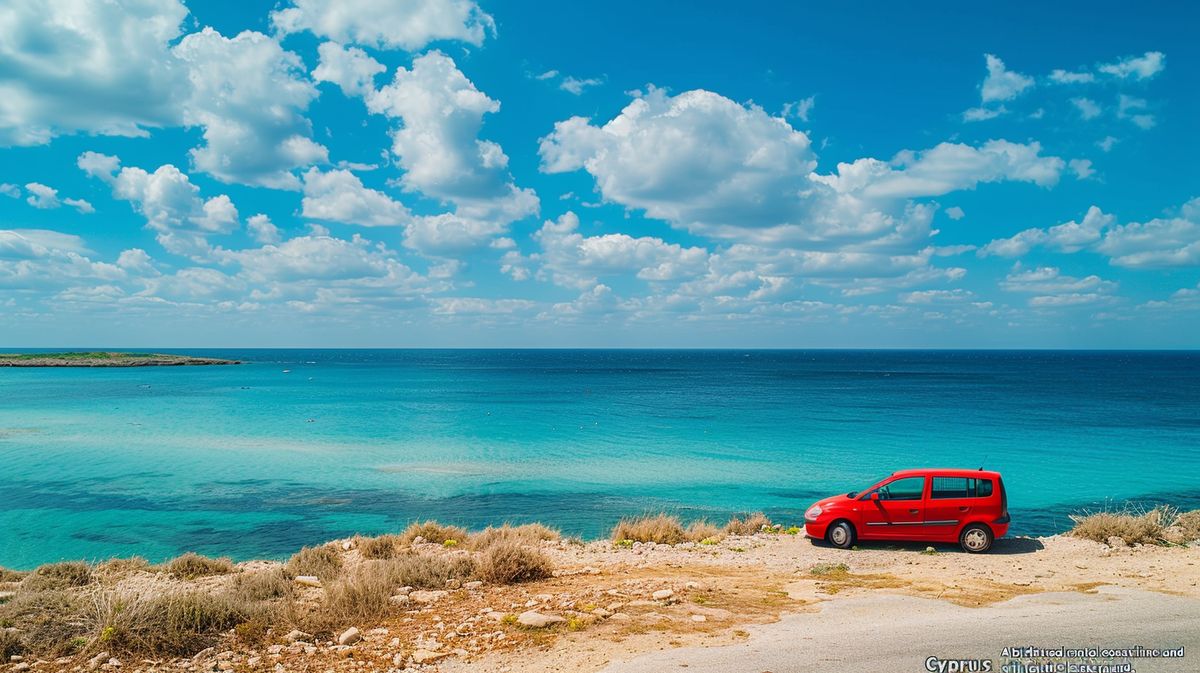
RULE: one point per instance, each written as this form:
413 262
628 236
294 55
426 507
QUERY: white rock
620 617
95 661
544 597
601 612
399 599
472 585
347 545
496 615
699 618
308 581
295 635
662 594
350 635
427 656
693 585
537 620
428 596
418 540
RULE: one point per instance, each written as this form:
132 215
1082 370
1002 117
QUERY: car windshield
852 494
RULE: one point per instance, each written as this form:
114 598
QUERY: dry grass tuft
360 597
508 562
658 528
1186 527
181 623
263 585
323 562
10 644
433 532
189 566
530 533
1130 525
52 576
430 571
7 575
703 531
122 567
380 548
748 525
52 621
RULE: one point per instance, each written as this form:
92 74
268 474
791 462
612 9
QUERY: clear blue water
249 461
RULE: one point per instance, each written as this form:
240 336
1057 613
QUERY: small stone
473 585
589 570
114 662
427 656
699 618
693 585
399 599
21 667
498 616
602 613
275 649
662 594
1117 542
420 539
350 635
308 581
398 659
538 620
296 634
428 596
347 545
620 617
544 597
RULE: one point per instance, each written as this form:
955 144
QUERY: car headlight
813 512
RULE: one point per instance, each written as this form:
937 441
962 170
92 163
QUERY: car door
949 500
897 512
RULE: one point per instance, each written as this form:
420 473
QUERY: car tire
840 535
976 538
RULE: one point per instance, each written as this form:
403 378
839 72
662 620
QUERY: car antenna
984 463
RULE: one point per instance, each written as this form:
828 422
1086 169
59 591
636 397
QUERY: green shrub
65 575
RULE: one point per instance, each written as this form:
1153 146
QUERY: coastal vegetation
105 359
333 594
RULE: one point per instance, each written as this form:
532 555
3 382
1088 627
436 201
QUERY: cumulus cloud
39 259
46 198
576 85
955 213
249 95
1135 110
171 204
1082 168
438 145
1050 280
385 24
262 229
1059 76
1088 108
1002 84
979 114
340 196
800 109
1136 67
349 68
576 260
94 67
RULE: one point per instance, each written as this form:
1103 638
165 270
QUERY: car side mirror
875 497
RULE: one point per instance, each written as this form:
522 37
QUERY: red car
964 506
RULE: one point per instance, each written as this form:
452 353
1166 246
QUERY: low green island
106 359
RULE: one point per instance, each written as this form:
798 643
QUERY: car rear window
960 487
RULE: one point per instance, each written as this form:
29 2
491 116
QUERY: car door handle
914 511
963 509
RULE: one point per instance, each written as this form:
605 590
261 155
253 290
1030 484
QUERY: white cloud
46 198
576 260
93 67
1060 76
1088 109
1070 299
249 95
1002 84
1069 236
575 85
41 196
1082 168
955 213
339 196
1048 280
38 259
137 261
1106 143
262 229
10 190
800 109
169 201
1161 242
1137 67
407 24
1134 109
979 114
438 145
954 296
349 68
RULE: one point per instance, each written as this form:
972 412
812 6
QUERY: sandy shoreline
707 596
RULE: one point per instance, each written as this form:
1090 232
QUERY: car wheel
975 538
841 535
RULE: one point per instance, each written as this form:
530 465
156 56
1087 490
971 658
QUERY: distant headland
106 359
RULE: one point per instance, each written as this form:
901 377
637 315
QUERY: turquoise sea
300 446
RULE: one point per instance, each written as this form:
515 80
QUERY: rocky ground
607 603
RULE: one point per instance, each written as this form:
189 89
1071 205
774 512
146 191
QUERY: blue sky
454 173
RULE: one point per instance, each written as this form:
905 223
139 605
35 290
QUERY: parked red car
969 507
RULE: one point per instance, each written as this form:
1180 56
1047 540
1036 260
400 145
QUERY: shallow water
250 461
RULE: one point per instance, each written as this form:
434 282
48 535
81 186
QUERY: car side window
908 488
960 487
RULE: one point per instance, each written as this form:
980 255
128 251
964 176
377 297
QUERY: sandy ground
759 603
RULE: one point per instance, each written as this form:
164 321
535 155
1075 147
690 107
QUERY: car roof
945 472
